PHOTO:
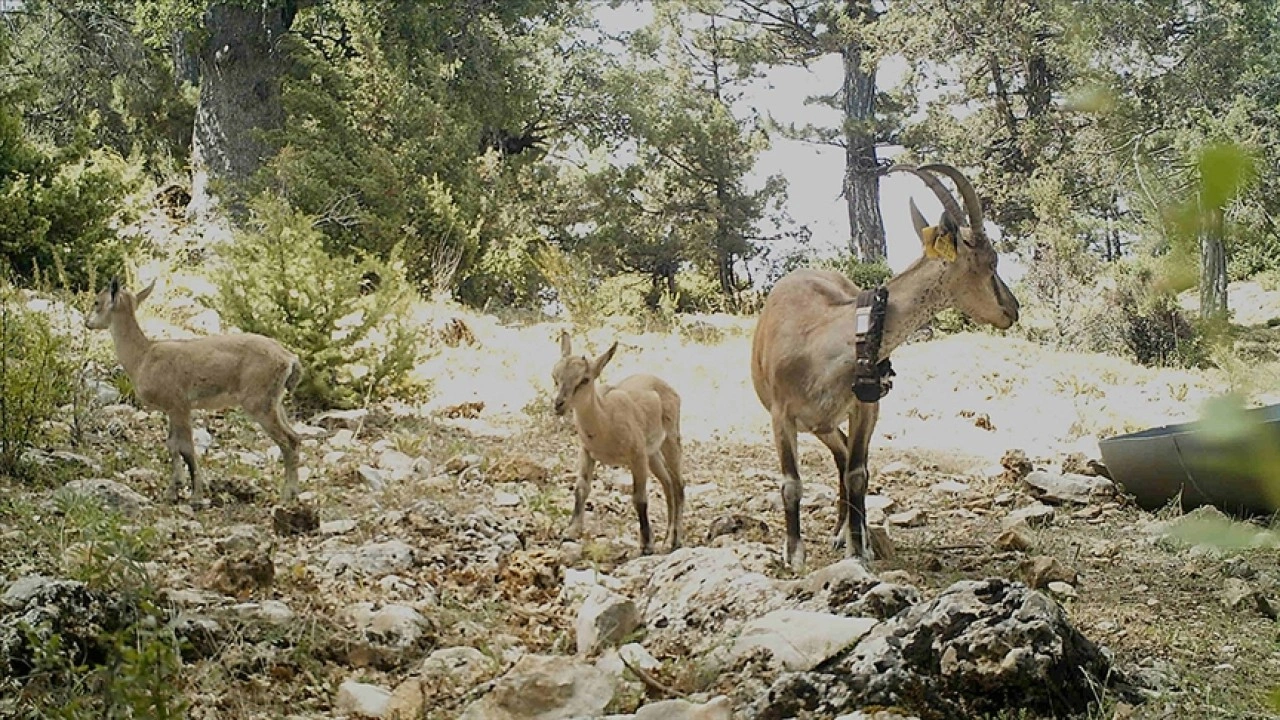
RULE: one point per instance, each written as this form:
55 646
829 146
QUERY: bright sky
814 173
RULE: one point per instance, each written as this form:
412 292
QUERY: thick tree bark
240 71
1213 266
861 174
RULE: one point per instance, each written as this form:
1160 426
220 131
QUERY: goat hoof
837 541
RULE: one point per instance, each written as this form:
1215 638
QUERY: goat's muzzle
558 406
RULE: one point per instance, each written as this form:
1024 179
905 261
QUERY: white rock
1061 589
604 619
883 503
800 640
343 438
505 499
203 440
1035 515
338 527
717 708
695 593
950 487
108 493
272 612
377 479
376 559
897 468
399 465
362 699
395 625
907 518
341 418
1067 488
544 687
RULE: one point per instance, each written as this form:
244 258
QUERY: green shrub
865 275
1155 330
57 207
346 318
36 377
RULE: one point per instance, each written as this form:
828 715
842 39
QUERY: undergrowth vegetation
348 319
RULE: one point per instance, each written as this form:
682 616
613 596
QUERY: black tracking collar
871 374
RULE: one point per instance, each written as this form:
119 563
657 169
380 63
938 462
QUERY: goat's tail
295 374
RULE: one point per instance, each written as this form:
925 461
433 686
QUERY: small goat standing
804 349
634 424
210 373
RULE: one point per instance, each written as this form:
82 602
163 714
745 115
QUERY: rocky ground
423 573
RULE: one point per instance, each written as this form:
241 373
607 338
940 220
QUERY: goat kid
210 373
804 349
634 424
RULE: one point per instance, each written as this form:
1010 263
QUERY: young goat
634 424
210 373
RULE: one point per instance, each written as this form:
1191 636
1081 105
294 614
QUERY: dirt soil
959 404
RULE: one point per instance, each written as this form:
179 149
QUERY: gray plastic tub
1156 465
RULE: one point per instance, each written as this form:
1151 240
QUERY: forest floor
959 404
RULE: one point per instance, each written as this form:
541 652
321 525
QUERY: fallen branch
649 680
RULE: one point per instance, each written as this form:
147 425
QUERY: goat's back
215 372
649 386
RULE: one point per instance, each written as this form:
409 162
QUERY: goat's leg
784 437
640 500
277 426
586 468
673 460
862 423
658 465
838 444
174 446
187 451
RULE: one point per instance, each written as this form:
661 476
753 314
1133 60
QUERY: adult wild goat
804 355
210 373
634 424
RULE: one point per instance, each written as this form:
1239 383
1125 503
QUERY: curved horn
949 204
967 192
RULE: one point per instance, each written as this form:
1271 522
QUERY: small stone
1061 589
458 463
349 419
338 527
717 708
362 699
1016 538
107 493
377 479
505 499
1070 488
897 467
907 518
1042 570
1237 594
605 619
295 519
950 487
1036 515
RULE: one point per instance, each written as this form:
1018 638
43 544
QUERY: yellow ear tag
939 245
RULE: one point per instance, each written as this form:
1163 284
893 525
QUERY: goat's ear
566 349
145 293
115 288
600 362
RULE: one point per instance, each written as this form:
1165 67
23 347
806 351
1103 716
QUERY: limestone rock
800 640
717 708
1236 594
373 559
1035 515
108 493
1017 537
544 687
362 700
695 593
1067 488
980 647
604 620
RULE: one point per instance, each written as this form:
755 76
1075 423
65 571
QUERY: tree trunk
861 170
1213 266
240 71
